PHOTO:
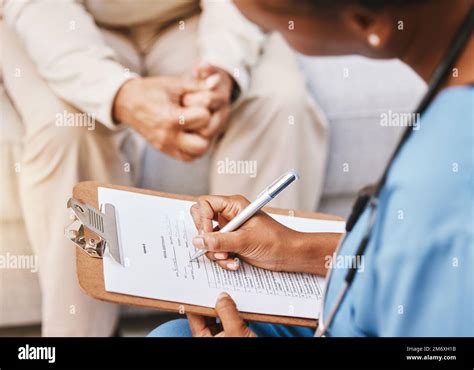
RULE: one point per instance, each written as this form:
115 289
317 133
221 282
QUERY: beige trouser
275 126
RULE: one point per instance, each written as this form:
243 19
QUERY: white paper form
156 238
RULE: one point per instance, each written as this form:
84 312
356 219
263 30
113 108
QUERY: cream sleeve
69 52
228 40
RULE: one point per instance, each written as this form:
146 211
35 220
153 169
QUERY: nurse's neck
429 45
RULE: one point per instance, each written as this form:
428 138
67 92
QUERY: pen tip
295 174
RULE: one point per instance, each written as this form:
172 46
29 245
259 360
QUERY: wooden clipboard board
91 277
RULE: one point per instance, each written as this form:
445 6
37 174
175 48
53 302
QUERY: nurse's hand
261 241
231 325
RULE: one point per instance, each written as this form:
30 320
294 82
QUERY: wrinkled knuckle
240 199
233 198
194 208
202 206
200 199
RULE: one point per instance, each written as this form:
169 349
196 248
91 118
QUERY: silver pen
265 196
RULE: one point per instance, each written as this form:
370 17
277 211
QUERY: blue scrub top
417 274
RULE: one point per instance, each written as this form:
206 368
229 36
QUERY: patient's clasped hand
178 116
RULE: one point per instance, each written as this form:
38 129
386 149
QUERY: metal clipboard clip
93 231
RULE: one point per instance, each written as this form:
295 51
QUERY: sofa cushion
354 92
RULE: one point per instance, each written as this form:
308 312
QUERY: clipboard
89 247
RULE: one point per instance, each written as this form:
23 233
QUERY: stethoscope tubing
323 325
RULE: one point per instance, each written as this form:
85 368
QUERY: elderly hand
232 324
153 107
216 98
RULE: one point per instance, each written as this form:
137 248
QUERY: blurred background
348 91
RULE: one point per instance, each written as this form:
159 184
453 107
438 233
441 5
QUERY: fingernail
197 141
222 296
212 81
198 242
220 256
233 265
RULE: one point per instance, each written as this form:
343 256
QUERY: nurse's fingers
219 256
225 206
235 241
232 264
198 325
233 324
205 211
224 260
196 217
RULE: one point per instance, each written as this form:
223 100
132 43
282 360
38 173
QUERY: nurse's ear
375 30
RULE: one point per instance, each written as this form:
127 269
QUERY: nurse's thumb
220 242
